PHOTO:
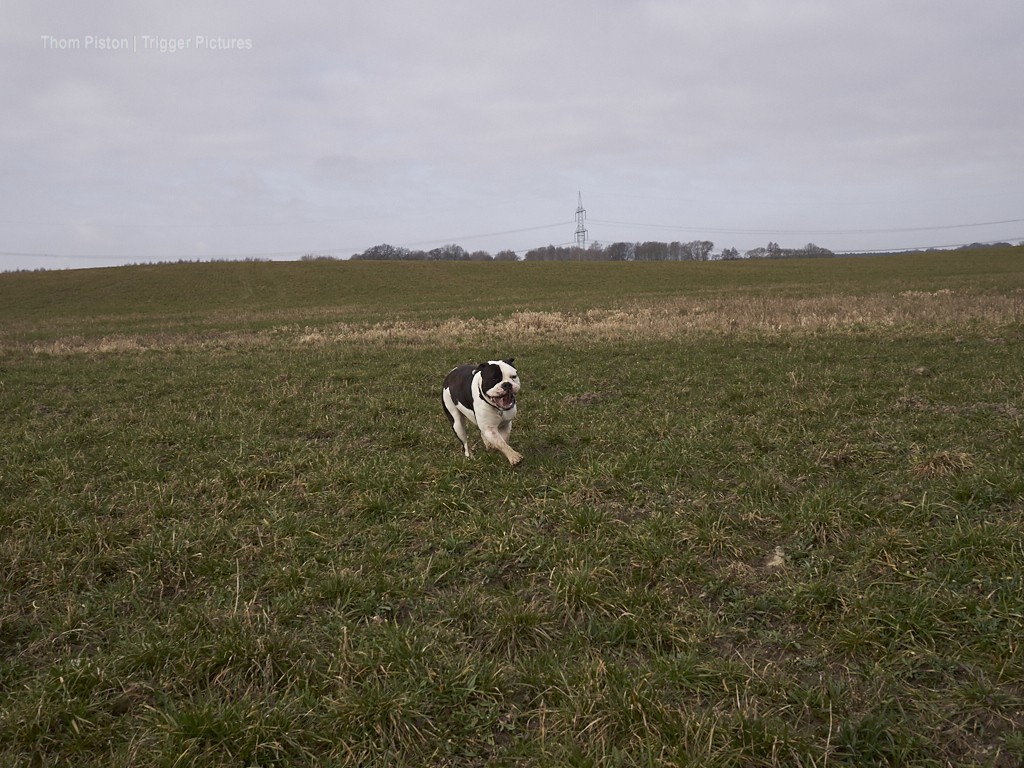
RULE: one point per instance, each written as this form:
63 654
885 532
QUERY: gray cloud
272 128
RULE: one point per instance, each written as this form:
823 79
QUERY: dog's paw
514 458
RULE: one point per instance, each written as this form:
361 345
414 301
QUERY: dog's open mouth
504 402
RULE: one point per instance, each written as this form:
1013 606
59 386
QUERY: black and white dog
484 394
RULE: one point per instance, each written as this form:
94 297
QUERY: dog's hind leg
458 422
459 425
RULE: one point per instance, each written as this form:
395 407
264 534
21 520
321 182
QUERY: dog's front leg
494 439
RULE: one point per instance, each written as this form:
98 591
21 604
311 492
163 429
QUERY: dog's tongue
506 401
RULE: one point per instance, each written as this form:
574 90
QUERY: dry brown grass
942 311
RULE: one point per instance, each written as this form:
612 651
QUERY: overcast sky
191 130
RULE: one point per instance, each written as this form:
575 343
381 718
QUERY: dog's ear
510 360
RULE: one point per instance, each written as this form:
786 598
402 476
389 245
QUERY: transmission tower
581 216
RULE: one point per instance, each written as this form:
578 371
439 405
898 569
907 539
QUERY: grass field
770 515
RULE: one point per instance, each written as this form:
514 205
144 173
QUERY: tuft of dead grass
942 463
918 311
662 320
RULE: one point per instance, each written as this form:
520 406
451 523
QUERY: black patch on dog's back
460 383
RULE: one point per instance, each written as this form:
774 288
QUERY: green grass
770 514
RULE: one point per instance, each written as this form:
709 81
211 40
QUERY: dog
484 394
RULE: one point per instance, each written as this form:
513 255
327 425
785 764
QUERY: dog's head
499 383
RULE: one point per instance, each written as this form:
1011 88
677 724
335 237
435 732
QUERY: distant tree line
773 251
696 250
451 252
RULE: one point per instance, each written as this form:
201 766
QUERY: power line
272 255
478 237
929 247
732 231
422 243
